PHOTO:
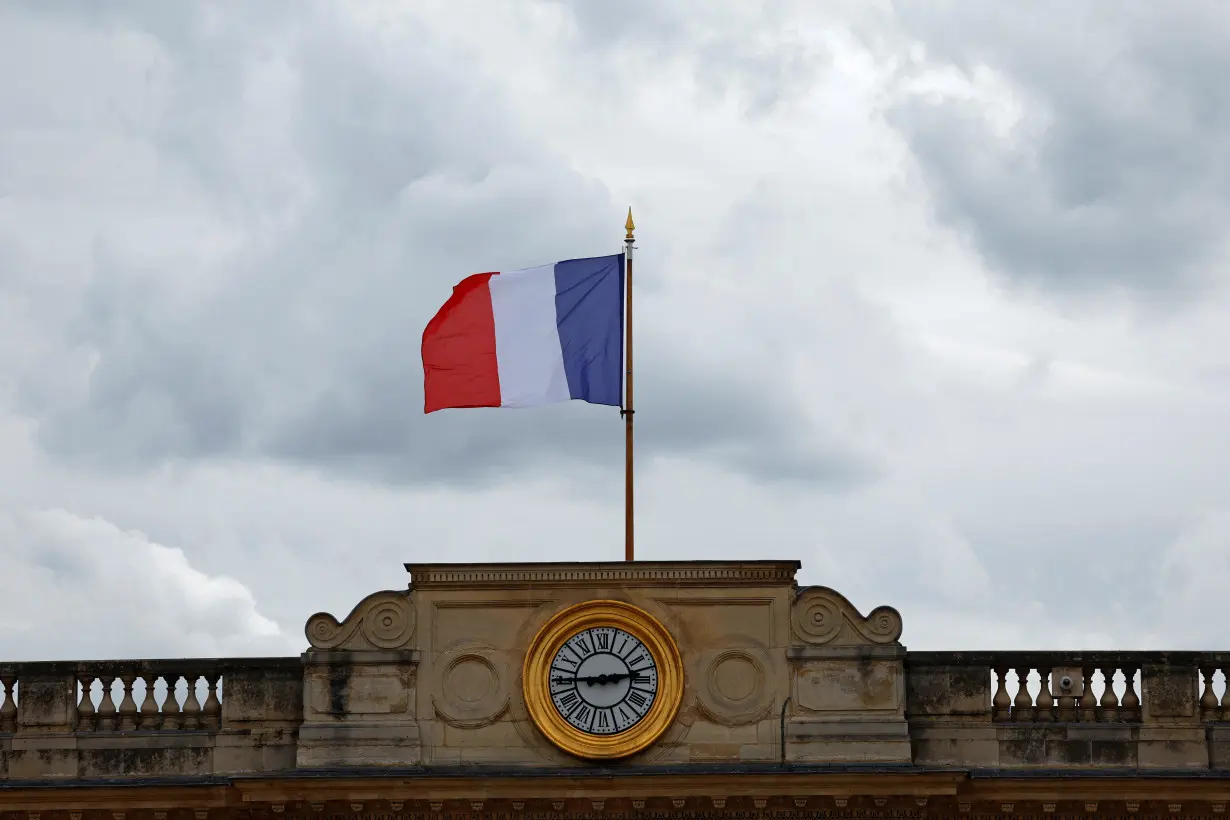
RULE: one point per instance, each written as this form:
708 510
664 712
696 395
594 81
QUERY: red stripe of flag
459 362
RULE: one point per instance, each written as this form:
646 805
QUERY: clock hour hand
613 677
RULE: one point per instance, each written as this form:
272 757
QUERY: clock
603 679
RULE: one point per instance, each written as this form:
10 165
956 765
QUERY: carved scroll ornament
824 617
382 620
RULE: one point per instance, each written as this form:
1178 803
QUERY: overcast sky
932 297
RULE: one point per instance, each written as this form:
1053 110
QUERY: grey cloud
757 57
353 199
1116 175
197 266
681 413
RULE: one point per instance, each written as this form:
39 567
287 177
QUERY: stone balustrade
168 691
119 695
987 709
1051 686
1021 709
791 699
141 717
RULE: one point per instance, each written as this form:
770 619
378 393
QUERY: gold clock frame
536 673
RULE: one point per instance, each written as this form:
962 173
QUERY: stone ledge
361 657
622 573
809 653
803 730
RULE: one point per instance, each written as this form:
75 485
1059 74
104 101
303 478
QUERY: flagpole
627 412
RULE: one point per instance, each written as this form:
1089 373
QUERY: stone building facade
754 698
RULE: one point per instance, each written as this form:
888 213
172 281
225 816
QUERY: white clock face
603 680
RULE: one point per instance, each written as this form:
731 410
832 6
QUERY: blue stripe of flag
589 311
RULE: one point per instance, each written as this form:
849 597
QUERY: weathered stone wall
429 678
751 642
56 734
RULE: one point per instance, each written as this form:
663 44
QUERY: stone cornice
887 793
614 573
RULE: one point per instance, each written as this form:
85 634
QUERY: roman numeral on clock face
603 680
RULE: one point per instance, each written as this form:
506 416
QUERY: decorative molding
621 574
716 600
461 670
492 603
823 617
735 685
664 805
382 620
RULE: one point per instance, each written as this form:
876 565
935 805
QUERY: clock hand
591 679
611 677
588 679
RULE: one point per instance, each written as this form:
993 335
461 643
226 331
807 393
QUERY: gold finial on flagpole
629 226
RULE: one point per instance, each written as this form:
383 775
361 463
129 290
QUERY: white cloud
222 231
73 585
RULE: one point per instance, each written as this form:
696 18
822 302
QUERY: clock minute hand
600 680
613 677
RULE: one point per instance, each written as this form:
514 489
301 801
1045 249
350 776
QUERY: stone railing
172 694
993 710
1007 709
149 716
115 695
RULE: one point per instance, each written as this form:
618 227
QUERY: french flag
529 337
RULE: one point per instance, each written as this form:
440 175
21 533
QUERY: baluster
172 718
149 706
85 709
1023 703
106 706
212 710
128 706
1225 695
1001 702
1208 701
192 706
1046 701
1129 707
1110 701
1088 703
8 711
